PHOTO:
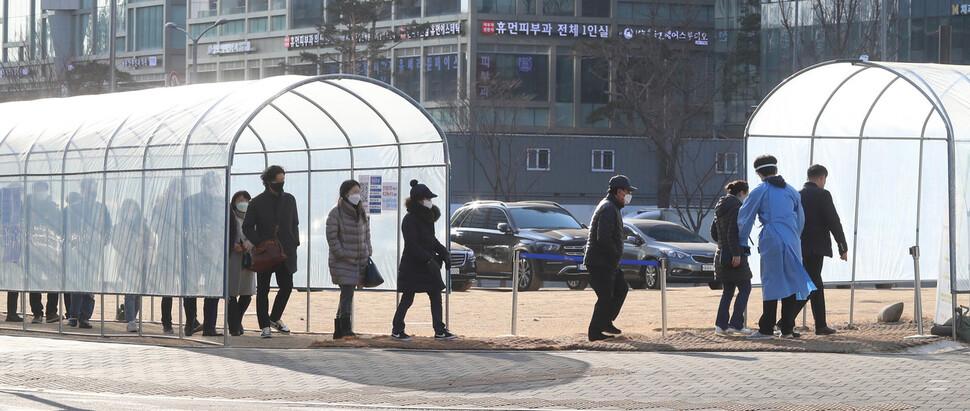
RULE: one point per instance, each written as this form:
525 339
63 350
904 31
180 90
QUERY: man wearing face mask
603 252
273 212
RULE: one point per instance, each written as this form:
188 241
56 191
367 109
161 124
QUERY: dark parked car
690 256
494 231
463 269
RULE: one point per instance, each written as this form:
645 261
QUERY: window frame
720 162
601 153
537 151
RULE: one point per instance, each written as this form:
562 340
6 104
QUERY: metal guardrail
553 257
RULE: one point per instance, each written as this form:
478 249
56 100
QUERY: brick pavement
442 379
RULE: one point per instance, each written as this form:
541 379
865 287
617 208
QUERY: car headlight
546 247
677 254
471 257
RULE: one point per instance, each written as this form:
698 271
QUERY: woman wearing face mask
731 261
242 281
423 256
348 234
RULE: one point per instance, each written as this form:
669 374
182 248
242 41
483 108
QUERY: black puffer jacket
724 230
420 246
604 249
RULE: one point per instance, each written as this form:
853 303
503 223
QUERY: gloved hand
433 266
746 250
445 261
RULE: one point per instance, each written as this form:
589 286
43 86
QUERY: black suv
494 231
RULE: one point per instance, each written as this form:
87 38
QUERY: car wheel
461 285
527 276
577 284
641 282
715 285
651 276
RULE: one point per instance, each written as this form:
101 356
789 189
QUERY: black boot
348 328
242 304
233 308
338 331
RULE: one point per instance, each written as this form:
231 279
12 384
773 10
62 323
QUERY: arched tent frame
137 145
883 130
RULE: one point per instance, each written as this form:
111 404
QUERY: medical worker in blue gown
778 207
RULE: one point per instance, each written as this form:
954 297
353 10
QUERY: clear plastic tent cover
137 199
882 131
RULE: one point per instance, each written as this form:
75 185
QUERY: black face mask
277 187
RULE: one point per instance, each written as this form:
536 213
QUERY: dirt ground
548 313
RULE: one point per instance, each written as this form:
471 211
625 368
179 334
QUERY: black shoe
825 331
611 329
599 337
38 319
338 329
211 333
235 333
401 336
444 335
348 328
167 329
53 318
14 318
85 324
198 326
72 322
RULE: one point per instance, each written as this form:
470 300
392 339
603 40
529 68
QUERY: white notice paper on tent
389 195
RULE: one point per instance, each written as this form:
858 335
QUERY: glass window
175 39
527 7
477 219
407 77
564 79
407 9
670 233
596 8
258 5
442 7
306 13
82 44
559 7
496 217
530 70
602 160
233 6
258 25
537 159
149 23
279 4
459 216
203 8
593 83
543 218
233 27
279 23
233 75
726 163
496 6
197 29
441 77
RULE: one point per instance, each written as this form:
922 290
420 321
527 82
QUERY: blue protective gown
779 208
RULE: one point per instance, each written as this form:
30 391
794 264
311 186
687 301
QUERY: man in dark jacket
203 222
271 208
604 250
820 220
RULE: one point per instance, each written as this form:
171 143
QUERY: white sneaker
718 331
743 331
278 325
267 333
132 327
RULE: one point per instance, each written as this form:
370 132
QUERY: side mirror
504 227
633 240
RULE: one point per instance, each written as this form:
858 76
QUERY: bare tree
699 186
661 91
837 29
490 123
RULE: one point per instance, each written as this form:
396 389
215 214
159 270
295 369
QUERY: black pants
786 324
346 307
210 310
284 279
37 304
12 298
402 311
813 264
237 308
167 312
611 289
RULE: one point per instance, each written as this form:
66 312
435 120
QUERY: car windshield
666 233
543 218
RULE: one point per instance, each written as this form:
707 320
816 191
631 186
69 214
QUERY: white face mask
427 203
627 198
242 206
354 199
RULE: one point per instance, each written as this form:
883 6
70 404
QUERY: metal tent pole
855 233
515 289
663 296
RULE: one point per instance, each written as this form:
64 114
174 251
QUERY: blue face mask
242 206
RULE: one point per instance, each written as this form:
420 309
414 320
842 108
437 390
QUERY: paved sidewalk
49 373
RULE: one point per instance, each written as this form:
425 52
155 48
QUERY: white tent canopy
149 151
895 138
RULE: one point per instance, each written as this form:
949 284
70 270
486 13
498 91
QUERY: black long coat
724 230
420 246
261 219
604 248
820 220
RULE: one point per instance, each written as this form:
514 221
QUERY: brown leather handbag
268 254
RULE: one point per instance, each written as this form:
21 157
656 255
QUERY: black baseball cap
621 181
